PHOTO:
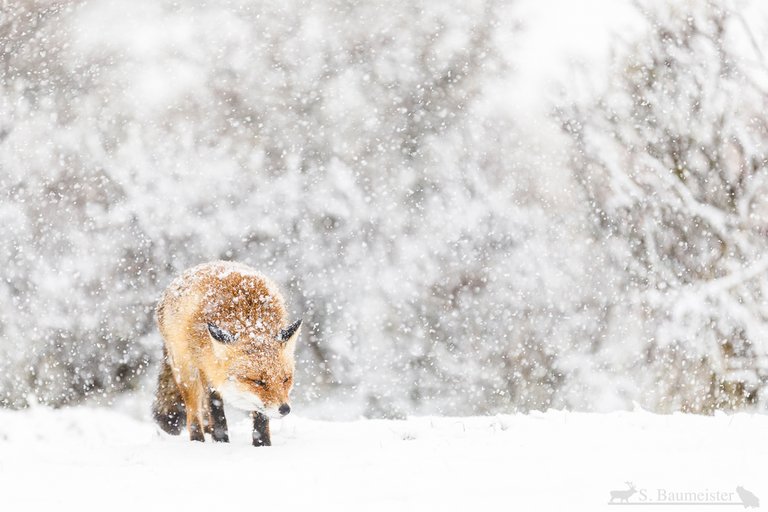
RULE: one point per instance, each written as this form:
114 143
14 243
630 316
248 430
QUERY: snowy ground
100 459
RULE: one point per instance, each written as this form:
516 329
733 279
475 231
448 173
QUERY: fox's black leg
195 429
219 432
261 430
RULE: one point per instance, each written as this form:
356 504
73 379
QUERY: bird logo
747 498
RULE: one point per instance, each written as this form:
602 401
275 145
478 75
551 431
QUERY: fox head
258 370
250 342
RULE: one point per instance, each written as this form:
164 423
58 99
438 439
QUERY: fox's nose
284 409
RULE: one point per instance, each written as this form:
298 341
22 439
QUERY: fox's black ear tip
287 333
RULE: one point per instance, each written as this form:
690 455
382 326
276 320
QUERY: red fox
226 339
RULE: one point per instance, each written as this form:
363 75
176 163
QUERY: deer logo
623 496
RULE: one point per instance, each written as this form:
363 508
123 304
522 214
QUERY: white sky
557 34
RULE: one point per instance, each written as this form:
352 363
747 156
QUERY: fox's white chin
246 401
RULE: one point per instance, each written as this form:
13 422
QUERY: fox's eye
285 380
260 383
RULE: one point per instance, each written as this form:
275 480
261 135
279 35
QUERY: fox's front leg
261 430
217 419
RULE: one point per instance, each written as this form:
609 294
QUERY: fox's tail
168 407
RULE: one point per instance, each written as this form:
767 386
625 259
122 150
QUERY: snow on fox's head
252 344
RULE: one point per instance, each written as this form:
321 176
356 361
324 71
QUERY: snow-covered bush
362 154
672 158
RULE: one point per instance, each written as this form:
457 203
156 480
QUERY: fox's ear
289 333
221 335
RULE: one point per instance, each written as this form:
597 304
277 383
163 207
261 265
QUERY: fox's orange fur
252 369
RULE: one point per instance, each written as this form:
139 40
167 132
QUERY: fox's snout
278 412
